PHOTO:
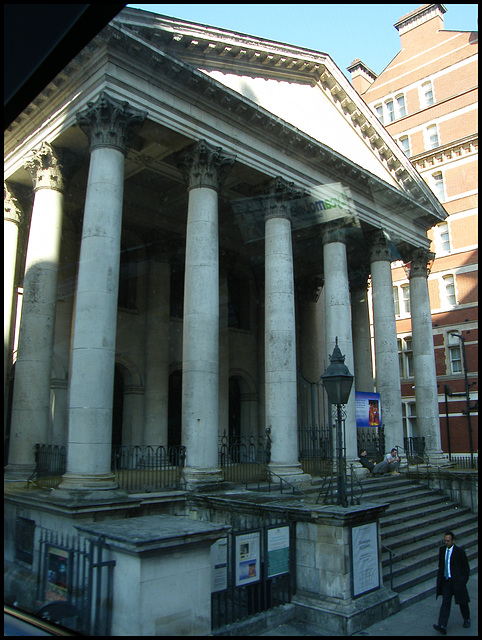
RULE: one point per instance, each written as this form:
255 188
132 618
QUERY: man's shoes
466 624
394 473
442 630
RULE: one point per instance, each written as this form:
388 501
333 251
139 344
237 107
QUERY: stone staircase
412 528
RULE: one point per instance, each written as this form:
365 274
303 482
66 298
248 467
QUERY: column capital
46 167
12 211
204 166
421 263
279 193
109 122
378 246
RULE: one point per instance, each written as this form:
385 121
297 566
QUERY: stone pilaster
386 352
204 168
109 125
31 400
426 394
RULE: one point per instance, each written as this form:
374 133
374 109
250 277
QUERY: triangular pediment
301 87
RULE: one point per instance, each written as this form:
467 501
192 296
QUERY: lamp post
467 394
338 381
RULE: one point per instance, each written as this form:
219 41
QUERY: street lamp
467 394
338 382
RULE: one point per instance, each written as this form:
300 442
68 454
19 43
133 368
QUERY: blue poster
368 409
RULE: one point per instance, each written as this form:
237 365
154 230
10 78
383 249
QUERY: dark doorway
174 413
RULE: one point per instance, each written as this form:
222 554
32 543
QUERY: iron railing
50 465
148 467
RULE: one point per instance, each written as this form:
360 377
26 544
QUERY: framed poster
247 561
219 565
368 409
57 582
364 553
278 551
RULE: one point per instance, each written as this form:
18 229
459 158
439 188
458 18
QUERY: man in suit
452 577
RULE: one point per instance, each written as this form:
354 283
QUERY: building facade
426 98
193 217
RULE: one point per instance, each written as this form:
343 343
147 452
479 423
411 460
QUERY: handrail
272 473
354 475
392 553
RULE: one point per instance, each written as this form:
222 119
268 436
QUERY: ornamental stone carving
11 209
279 194
421 263
109 122
45 166
204 166
379 247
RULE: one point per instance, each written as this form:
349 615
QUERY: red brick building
427 99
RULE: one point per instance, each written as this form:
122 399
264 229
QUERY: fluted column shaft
204 168
426 394
386 351
31 400
107 124
338 319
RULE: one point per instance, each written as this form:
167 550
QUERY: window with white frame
409 418
431 137
455 354
406 298
404 144
379 112
390 109
441 239
405 357
396 302
437 185
426 95
401 110
449 298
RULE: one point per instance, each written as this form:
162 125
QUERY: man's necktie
446 564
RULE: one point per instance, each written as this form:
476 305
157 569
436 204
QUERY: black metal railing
50 465
414 449
315 446
148 467
242 457
372 439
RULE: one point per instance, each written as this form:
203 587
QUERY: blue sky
344 31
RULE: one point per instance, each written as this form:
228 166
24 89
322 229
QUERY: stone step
415 520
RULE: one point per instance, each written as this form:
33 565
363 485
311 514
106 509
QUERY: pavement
415 620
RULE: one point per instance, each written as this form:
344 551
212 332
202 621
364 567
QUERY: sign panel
278 551
56 587
219 565
365 558
247 562
368 409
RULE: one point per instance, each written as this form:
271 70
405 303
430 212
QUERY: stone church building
193 218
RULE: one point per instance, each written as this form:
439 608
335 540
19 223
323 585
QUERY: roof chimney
420 16
361 76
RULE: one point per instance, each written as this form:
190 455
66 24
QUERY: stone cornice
446 153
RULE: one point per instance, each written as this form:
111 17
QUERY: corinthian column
31 399
204 168
11 221
426 394
338 318
108 124
280 334
386 351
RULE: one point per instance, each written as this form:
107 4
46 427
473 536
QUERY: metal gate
75 583
253 571
315 433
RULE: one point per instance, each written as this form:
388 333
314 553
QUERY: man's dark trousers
447 593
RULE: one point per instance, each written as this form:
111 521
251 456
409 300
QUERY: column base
74 482
18 472
211 479
292 473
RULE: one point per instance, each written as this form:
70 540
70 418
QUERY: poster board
365 562
247 559
278 551
219 565
368 409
